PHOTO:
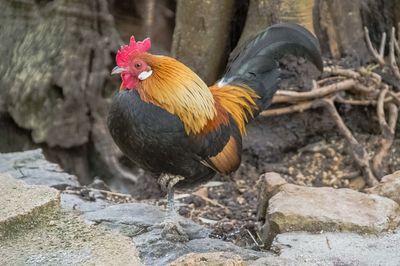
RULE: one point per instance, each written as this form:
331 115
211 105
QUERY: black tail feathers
255 62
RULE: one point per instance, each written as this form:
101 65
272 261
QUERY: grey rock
388 187
297 208
143 222
210 258
141 216
32 167
73 202
154 250
340 248
268 186
207 245
278 261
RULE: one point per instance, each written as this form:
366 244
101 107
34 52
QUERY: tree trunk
339 25
54 64
263 13
145 18
396 13
55 79
201 36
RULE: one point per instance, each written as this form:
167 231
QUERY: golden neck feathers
177 89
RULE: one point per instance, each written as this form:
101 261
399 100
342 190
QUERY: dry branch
379 56
300 107
283 96
342 100
392 56
342 72
395 97
356 149
393 47
388 133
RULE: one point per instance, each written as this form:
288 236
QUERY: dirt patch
228 204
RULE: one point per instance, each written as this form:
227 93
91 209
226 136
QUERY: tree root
358 152
388 133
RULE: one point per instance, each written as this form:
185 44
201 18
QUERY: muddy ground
228 204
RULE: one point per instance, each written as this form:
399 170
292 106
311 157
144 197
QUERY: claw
173 231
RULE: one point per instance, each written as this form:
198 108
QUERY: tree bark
396 13
201 36
55 79
263 13
55 60
339 25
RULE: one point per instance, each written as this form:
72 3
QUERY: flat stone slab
35 231
298 208
331 249
287 207
24 205
67 241
33 168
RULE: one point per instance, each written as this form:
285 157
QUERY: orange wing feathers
238 101
228 160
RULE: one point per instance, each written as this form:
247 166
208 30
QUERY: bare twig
362 88
301 107
342 72
351 175
378 56
382 46
330 80
397 41
293 96
340 99
393 97
388 133
376 78
356 149
392 56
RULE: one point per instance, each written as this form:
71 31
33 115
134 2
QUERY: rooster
168 121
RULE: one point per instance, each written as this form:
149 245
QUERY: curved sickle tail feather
256 62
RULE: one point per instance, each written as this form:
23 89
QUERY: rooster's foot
174 232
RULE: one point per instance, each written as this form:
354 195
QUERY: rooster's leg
172 229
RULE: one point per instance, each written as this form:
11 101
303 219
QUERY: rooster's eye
138 65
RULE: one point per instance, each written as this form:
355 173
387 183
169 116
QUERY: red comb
127 51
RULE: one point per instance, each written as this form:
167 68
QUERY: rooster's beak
117 70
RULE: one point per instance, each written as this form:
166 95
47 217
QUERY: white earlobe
145 74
